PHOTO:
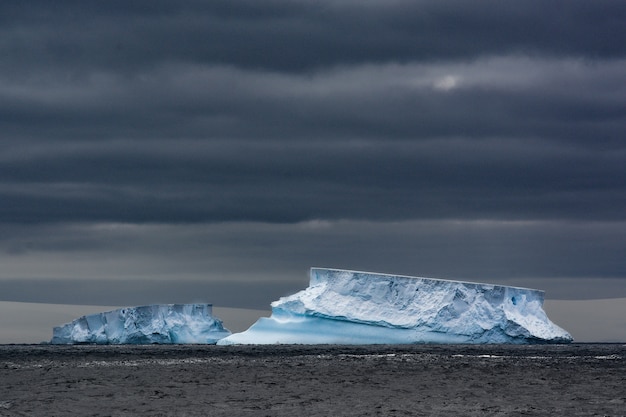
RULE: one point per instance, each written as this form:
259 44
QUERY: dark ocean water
278 380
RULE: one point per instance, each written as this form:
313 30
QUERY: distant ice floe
159 323
350 307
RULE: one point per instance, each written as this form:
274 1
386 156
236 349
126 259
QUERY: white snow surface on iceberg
350 307
158 323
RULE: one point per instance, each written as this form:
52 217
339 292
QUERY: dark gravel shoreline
279 380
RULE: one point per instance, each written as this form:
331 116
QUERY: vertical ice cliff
349 307
159 323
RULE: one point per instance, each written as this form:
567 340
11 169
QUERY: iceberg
158 323
351 307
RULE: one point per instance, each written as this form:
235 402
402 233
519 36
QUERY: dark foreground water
418 380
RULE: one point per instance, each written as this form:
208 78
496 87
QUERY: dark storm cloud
302 36
509 137
252 181
507 96
454 139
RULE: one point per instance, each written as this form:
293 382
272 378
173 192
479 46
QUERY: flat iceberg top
158 323
326 273
342 306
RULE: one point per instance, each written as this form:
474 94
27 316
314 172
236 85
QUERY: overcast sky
177 151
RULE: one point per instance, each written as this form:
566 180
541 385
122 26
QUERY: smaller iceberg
351 307
152 324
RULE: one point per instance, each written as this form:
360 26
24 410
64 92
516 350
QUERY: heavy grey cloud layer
462 140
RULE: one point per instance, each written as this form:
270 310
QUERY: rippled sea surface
415 380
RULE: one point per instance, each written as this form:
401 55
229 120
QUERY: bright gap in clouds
446 83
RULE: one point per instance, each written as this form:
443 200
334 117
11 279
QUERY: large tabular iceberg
349 307
159 323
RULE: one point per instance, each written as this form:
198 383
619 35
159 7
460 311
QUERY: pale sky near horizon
182 151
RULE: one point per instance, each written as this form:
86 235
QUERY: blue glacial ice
159 323
349 307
